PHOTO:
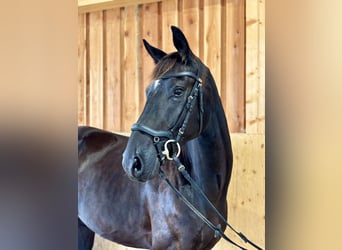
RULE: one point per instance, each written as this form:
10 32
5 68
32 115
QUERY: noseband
169 134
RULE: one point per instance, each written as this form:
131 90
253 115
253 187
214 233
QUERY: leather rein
163 152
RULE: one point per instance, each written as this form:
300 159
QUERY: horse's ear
180 43
155 53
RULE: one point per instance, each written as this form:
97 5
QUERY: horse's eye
178 91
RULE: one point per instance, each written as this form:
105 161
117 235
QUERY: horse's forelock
168 62
165 65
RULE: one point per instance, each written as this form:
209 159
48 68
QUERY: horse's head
174 111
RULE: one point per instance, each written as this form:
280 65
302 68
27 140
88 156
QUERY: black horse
183 109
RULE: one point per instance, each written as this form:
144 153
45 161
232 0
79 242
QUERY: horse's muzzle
140 160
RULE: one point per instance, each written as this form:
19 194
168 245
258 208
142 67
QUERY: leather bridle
169 135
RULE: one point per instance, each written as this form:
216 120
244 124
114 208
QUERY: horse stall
228 36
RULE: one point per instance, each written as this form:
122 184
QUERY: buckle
166 151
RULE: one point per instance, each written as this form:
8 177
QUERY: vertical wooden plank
261 96
150 31
169 17
212 38
190 24
224 42
234 93
130 87
180 13
96 68
201 29
112 66
87 85
254 113
82 69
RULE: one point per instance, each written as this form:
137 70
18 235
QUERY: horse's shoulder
92 139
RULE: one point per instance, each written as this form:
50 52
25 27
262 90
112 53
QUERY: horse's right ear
155 53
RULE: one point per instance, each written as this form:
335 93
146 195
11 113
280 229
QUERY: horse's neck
210 155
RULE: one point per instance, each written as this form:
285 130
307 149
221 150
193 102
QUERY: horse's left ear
181 43
155 53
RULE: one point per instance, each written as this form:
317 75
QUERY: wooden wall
228 35
115 68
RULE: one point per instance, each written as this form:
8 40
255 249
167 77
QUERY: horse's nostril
137 167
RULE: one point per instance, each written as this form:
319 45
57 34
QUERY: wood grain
255 81
212 39
233 91
112 68
96 69
169 17
129 71
82 70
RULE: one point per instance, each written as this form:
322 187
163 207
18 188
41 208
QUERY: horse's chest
175 226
